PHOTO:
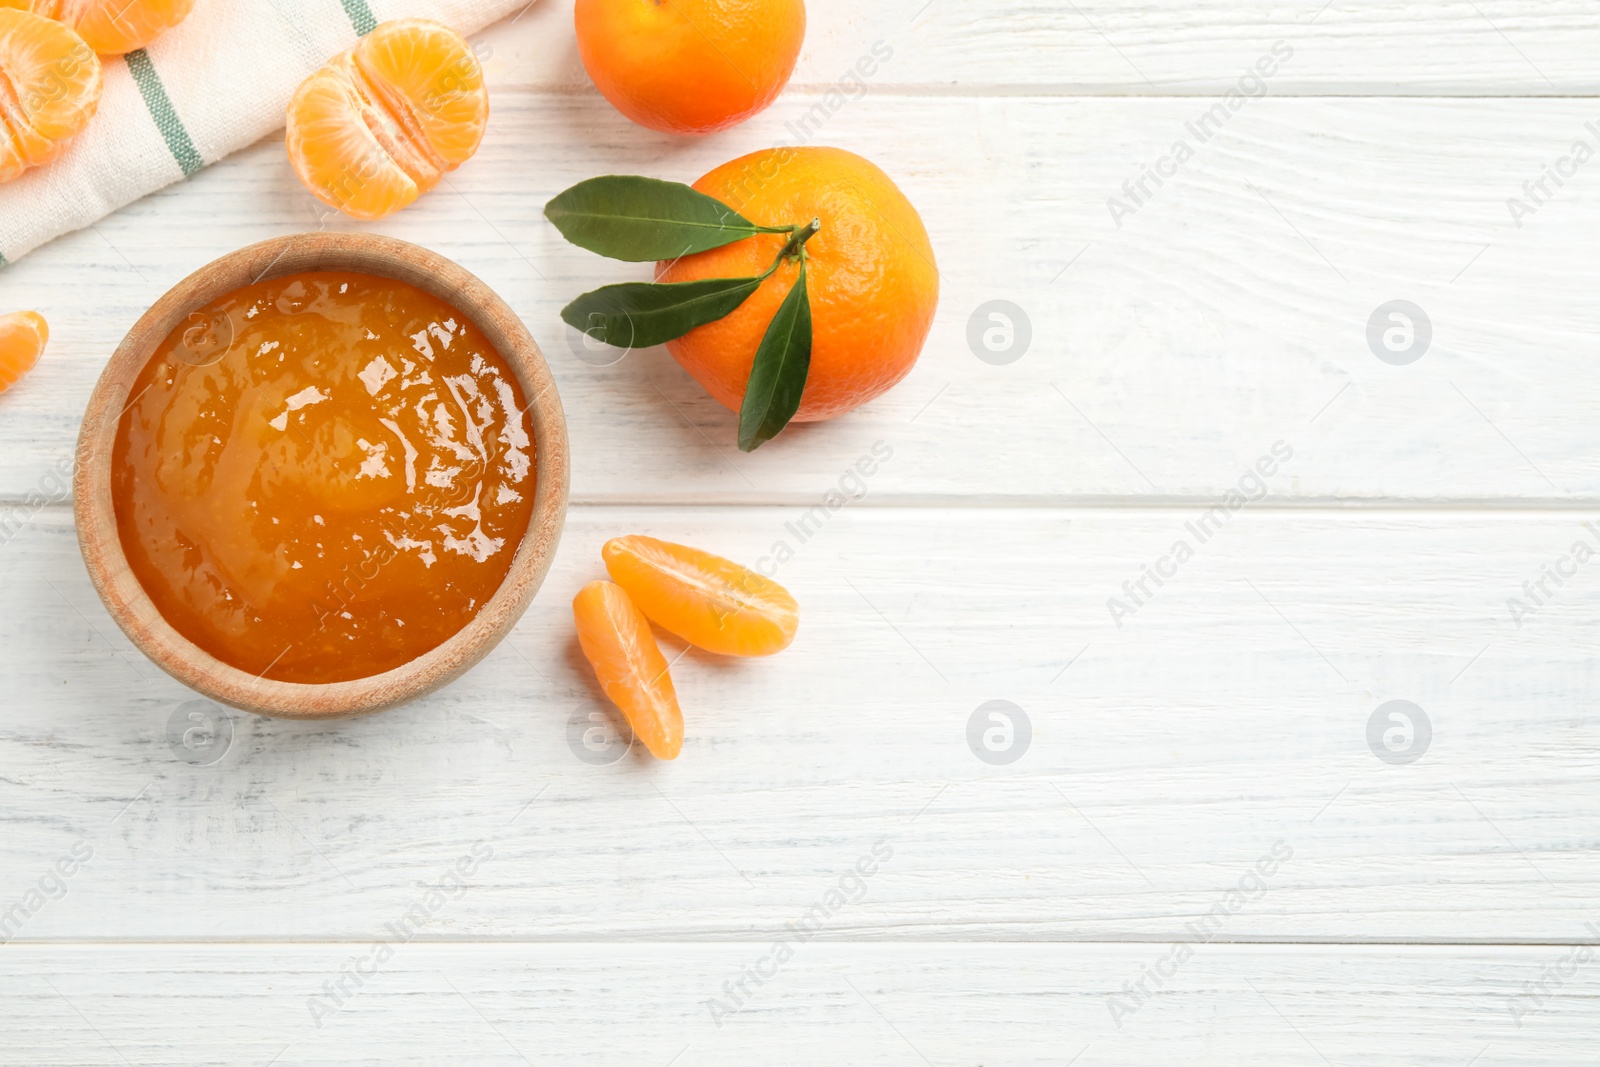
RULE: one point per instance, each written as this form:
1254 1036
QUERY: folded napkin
216 83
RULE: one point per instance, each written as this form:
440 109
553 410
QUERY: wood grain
1228 713
1227 717
892 1004
1228 312
1159 48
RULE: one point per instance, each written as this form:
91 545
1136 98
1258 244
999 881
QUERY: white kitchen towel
214 84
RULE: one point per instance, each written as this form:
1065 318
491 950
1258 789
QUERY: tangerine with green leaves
689 66
871 279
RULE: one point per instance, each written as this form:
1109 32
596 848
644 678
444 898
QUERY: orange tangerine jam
323 476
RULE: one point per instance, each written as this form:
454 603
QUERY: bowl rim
94 511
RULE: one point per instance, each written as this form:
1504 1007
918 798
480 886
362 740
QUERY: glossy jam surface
323 476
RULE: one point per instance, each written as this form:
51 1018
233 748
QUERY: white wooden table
1099 899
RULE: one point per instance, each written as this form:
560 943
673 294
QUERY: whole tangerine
689 66
870 277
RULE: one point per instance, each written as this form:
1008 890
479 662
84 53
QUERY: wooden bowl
126 599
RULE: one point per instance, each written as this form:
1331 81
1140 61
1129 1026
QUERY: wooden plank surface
1229 712
890 1004
1228 312
1156 47
1211 755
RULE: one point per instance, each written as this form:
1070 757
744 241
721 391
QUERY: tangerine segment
706 600
380 124
22 338
111 27
49 88
616 640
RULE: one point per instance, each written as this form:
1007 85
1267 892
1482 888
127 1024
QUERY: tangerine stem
799 238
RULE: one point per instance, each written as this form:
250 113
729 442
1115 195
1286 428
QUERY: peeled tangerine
49 88
22 338
380 124
616 640
111 27
706 600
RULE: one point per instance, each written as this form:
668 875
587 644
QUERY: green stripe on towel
361 16
162 111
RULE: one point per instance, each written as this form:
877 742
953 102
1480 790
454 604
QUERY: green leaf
624 216
778 376
640 314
